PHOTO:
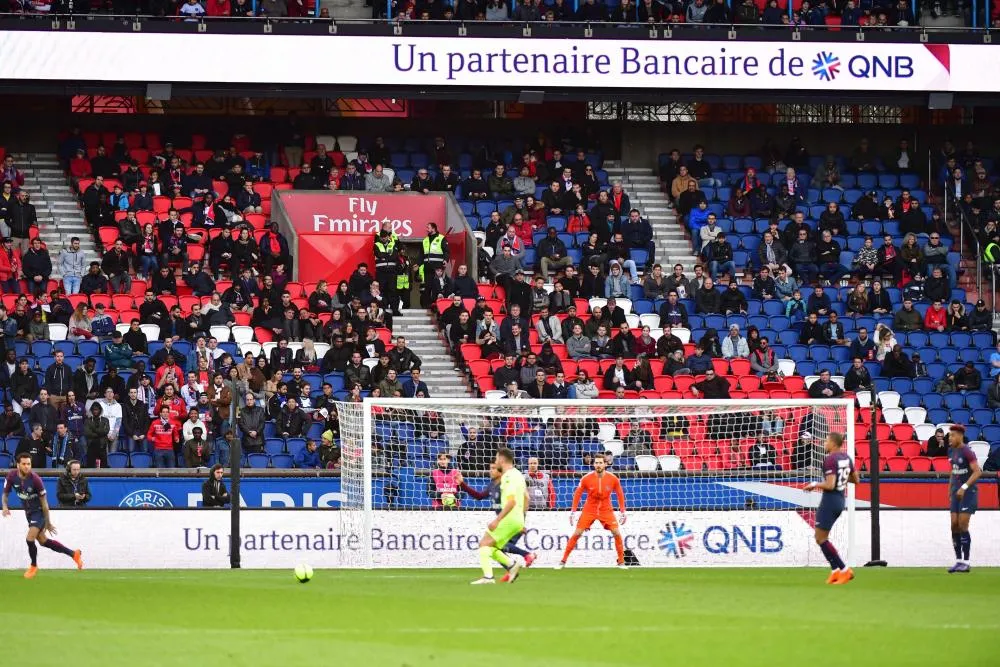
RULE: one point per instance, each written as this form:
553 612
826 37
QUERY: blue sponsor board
410 491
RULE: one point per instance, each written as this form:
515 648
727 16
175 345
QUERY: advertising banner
524 63
642 493
324 539
361 213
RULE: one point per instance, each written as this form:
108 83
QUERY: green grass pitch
552 618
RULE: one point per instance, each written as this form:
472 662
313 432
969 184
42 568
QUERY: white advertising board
473 61
279 539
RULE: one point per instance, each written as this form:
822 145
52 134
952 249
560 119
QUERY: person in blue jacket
307 457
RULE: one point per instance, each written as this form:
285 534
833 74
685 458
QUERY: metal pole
874 472
235 454
235 459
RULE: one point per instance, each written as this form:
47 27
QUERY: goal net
707 483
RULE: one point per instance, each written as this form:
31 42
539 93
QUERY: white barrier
122 539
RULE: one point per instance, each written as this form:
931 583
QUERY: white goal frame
443 404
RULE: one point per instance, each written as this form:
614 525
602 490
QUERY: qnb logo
826 66
676 539
145 498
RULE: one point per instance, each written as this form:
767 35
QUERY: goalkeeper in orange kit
599 487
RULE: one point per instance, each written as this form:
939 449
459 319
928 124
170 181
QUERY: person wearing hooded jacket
213 491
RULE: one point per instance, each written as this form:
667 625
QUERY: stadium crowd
143 356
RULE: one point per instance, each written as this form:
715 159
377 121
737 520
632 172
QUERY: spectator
763 361
96 431
863 347
679 283
712 387
811 331
828 258
907 319
897 364
735 346
65 445
732 301
308 457
654 284
197 451
763 285
857 377
968 378
719 255
117 354
673 313
415 387
833 331
638 235
879 302
980 318
937 286
785 285
213 491
616 284
37 267
824 387
802 257
618 375
936 317
72 489
707 299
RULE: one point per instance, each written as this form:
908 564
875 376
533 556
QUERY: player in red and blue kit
838 472
964 493
31 490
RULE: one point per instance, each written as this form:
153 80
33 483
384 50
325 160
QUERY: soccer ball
303 573
448 499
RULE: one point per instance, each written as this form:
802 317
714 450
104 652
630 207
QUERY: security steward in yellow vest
435 251
387 267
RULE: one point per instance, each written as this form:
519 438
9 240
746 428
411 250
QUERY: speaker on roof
941 101
158 91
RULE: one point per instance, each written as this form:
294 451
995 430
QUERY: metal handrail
910 29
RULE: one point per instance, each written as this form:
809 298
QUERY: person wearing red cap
964 494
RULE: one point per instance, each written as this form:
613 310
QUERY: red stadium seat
921 464
898 463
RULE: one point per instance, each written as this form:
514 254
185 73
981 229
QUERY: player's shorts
506 530
36 519
607 520
967 505
831 506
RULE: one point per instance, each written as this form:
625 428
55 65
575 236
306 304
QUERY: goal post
708 482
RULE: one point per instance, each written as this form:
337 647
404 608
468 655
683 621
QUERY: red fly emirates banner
333 232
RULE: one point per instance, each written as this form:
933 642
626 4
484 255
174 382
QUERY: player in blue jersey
31 490
492 492
964 494
838 472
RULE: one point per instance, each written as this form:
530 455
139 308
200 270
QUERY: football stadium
555 332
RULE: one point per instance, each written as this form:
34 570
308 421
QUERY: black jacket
214 494
21 218
67 488
58 379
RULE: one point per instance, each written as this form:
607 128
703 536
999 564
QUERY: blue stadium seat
819 353
953 400
983 416
960 416
947 355
117 459
936 339
915 338
270 430
281 461
805 368
910 399
991 434
258 460
274 446
791 338
932 401
901 385
141 460
923 386
936 371
982 339
938 416
969 354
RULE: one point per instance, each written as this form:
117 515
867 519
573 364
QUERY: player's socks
966 540
956 542
569 547
832 556
506 561
512 548
58 547
33 552
486 562
620 548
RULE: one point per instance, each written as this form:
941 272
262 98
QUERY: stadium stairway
59 215
438 367
643 189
